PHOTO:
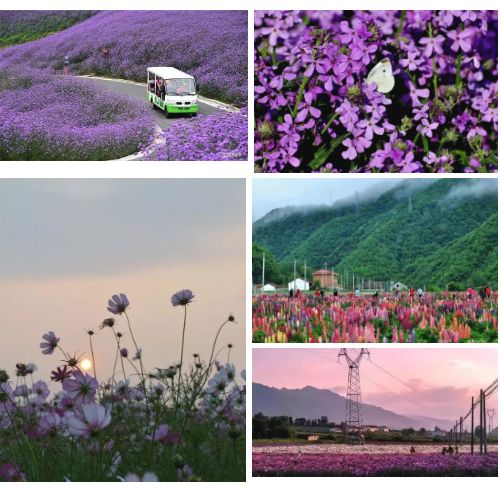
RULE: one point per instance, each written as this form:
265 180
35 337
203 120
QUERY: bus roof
168 72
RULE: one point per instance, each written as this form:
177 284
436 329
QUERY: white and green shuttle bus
172 91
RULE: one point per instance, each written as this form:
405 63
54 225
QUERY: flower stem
182 355
458 67
401 24
215 342
329 123
299 96
93 358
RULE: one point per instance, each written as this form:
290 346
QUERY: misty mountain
434 233
310 402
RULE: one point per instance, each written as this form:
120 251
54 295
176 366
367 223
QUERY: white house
299 284
399 286
268 288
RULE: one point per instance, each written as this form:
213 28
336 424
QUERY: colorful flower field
376 91
445 318
373 465
135 425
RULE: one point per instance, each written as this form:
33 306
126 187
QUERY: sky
428 381
272 193
66 246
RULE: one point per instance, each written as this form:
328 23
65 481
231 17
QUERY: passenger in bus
181 88
162 90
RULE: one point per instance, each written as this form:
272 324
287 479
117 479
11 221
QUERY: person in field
470 293
66 65
411 293
335 292
488 292
482 292
420 293
291 294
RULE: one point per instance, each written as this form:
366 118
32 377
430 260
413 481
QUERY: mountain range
312 403
433 233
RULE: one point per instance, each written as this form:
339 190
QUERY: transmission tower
353 417
490 413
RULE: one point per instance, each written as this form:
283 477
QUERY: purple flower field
376 91
210 45
374 465
48 117
222 136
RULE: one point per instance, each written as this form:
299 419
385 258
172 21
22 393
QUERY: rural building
326 278
398 286
313 438
268 288
299 284
376 429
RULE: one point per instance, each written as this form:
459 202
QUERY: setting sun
86 364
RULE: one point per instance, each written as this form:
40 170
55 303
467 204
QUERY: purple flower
461 40
354 146
425 127
60 374
307 108
82 388
432 45
118 304
417 93
182 298
50 343
164 436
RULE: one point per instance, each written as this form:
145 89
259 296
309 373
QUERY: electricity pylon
353 415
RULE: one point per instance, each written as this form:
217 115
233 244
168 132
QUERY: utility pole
263 269
461 430
294 275
472 426
305 275
353 415
481 441
485 436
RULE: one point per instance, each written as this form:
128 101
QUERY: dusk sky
437 382
67 245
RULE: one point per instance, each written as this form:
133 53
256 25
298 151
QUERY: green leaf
324 152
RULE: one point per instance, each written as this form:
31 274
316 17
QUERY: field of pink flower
374 465
169 424
442 317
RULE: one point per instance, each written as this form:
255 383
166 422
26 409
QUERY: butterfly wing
381 74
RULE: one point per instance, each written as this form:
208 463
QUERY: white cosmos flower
95 418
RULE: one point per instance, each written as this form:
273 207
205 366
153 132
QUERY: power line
408 386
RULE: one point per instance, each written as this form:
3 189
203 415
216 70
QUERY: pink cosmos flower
50 343
95 418
81 388
163 435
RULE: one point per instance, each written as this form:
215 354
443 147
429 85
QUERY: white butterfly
381 74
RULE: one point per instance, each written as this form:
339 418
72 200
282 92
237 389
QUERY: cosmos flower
118 304
50 343
182 298
164 435
81 388
147 477
60 374
94 419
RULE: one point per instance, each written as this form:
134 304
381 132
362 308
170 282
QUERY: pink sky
439 381
69 245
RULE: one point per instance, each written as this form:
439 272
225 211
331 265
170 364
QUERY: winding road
138 91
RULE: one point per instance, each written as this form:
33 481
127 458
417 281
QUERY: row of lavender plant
316 111
136 425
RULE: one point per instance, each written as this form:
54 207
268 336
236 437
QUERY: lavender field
376 91
84 121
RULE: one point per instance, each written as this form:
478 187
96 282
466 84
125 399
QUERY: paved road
139 92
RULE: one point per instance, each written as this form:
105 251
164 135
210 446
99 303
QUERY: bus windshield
180 86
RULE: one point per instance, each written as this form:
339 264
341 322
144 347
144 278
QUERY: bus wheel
167 115
153 105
